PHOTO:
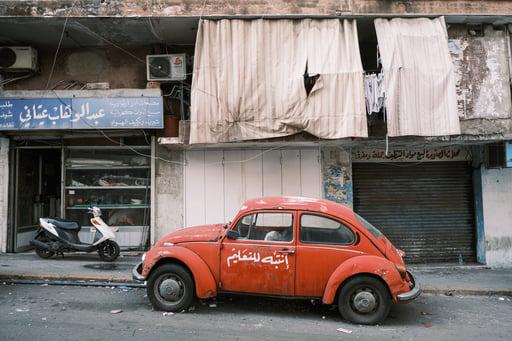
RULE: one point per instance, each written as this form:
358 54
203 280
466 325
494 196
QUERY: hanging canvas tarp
248 80
418 77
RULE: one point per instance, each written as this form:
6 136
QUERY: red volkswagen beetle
282 246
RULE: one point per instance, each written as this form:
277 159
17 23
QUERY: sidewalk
71 267
88 269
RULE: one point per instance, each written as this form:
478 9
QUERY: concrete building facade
108 41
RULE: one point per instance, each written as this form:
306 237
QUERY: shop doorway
37 192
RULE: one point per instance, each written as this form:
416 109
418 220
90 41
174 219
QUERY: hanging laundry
374 92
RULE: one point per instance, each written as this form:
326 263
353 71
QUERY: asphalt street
47 312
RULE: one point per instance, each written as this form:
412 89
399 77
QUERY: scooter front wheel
108 251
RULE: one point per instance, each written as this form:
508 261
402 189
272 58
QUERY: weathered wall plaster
497 204
337 175
247 7
4 191
169 192
87 65
482 81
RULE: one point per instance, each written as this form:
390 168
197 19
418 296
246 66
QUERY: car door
262 259
323 243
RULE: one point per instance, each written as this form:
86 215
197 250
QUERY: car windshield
367 225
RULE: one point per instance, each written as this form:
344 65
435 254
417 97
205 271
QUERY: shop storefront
422 200
61 169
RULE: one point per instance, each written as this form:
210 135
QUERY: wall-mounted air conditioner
166 67
18 59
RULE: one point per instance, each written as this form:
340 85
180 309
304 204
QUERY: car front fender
365 264
204 281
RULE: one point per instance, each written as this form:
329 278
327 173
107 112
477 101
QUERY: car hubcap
171 289
365 302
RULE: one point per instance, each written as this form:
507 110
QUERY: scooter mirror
95 211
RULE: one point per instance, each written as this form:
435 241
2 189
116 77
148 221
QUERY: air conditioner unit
166 67
18 59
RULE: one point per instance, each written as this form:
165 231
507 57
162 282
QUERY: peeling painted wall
497 205
337 175
482 80
169 192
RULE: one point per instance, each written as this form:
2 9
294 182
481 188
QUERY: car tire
170 287
364 300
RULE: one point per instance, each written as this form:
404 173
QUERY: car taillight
401 253
402 270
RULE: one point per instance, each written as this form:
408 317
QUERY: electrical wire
144 62
10 80
249 159
109 42
163 159
57 51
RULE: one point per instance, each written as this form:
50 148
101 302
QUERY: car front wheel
364 300
170 288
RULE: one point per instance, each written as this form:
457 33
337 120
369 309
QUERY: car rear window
318 229
367 225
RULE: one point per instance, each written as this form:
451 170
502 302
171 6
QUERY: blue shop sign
81 113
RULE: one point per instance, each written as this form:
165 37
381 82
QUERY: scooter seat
65 224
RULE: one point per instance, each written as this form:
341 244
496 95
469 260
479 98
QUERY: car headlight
143 257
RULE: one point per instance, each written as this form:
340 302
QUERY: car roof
298 203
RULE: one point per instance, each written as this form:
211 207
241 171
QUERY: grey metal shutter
424 209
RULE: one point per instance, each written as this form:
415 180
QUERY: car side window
322 230
268 226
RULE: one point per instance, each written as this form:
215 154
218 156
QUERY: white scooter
57 236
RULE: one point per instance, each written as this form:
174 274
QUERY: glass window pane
273 227
323 230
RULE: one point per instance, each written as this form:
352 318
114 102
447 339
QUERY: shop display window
115 179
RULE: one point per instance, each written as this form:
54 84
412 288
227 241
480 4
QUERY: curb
75 283
46 278
101 281
468 292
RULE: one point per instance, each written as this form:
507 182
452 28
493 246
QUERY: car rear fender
205 282
365 264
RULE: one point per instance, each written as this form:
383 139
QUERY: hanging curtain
419 79
248 80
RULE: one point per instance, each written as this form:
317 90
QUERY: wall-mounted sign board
81 113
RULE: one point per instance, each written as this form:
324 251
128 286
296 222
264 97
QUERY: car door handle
287 251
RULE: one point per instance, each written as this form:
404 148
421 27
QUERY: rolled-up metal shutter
425 209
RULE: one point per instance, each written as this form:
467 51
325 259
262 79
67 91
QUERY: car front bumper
137 273
413 293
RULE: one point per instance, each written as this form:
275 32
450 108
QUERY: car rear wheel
364 300
170 287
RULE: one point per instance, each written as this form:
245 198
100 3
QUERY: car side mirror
232 234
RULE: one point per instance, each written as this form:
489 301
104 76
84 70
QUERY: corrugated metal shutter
425 209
